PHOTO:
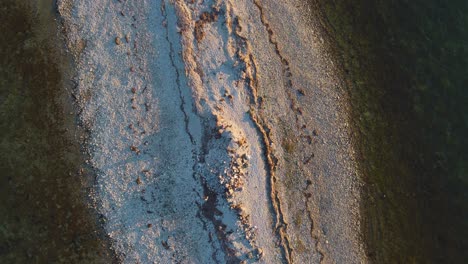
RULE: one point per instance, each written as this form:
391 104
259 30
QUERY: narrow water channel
43 214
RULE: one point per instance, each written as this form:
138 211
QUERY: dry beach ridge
218 130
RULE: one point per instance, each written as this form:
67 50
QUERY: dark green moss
406 63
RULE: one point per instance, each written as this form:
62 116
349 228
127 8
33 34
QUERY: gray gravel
219 131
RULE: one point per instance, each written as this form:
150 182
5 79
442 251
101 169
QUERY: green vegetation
406 63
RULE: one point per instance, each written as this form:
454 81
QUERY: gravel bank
218 131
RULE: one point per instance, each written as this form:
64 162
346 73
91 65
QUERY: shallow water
43 217
406 63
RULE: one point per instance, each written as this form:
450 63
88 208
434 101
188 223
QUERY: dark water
407 69
43 218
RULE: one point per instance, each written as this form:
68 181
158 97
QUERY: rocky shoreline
44 212
218 131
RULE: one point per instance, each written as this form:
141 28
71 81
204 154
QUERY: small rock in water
165 245
118 41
